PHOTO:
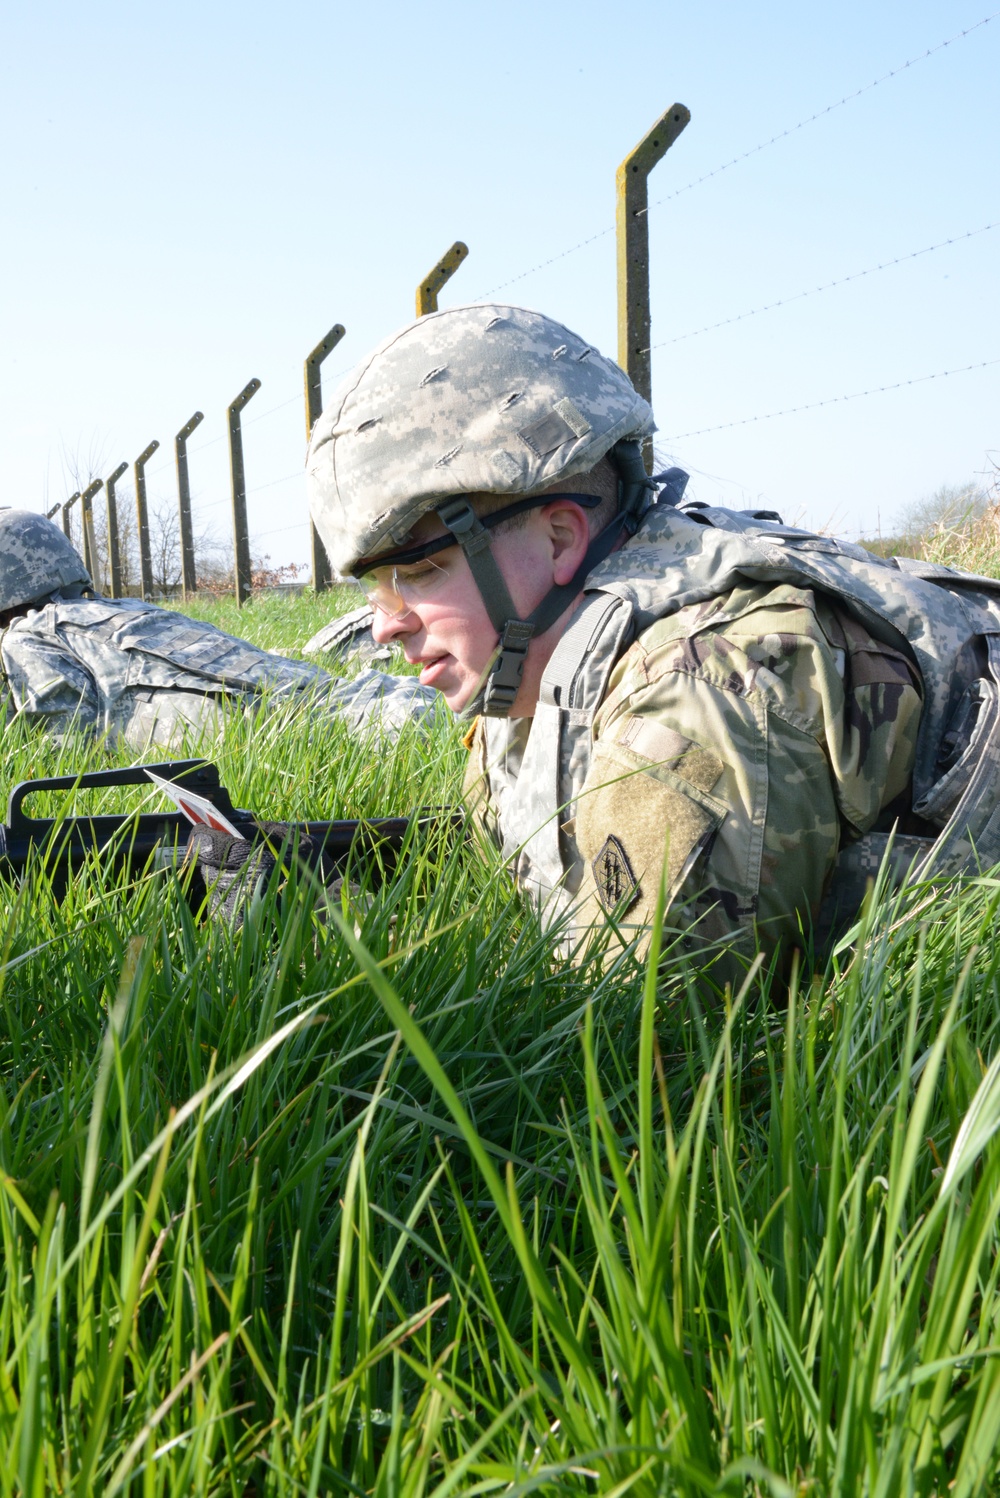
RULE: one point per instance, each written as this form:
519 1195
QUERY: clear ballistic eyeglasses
394 589
409 576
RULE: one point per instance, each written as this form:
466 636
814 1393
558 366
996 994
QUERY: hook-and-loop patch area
639 820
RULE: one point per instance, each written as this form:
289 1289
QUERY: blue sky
195 194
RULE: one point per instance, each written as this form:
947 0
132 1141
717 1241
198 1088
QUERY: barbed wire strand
544 264
680 436
745 155
830 400
857 275
725 426
213 504
299 473
822 113
729 425
250 421
166 462
300 525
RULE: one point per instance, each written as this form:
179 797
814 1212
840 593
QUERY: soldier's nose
389 627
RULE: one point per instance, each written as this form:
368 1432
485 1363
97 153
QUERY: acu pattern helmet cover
36 560
484 398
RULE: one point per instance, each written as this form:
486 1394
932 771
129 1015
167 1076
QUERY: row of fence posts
632 234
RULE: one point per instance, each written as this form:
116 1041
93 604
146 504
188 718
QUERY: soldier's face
444 626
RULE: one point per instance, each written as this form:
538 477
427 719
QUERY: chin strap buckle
504 679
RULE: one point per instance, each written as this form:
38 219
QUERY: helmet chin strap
502 677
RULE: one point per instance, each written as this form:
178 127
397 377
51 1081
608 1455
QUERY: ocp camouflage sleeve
740 741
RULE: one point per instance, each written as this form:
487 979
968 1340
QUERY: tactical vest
948 623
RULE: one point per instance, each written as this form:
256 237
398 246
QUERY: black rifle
131 840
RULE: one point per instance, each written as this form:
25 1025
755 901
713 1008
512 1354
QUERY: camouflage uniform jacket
127 670
735 702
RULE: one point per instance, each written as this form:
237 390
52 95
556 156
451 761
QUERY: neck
540 652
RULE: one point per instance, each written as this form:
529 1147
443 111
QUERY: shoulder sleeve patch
616 884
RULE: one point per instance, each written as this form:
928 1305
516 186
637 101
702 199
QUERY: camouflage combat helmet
36 560
473 399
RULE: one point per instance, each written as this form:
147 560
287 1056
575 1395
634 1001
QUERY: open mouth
432 669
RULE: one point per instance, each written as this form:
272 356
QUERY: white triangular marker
198 809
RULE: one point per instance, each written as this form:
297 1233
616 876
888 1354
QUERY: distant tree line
958 526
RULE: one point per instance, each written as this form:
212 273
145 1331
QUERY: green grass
275 621
391 1199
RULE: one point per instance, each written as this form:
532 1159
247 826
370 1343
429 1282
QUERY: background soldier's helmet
481 398
36 560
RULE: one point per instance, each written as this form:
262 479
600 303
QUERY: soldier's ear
568 530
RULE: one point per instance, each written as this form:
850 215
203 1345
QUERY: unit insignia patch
617 886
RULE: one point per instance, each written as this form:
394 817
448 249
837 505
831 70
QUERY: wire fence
763 145
165 461
787 301
832 400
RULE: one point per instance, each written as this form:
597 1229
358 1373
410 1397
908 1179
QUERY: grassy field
388 1198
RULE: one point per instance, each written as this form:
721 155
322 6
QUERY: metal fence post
632 224
87 519
54 511
189 578
314 406
114 557
427 291
142 520
241 534
65 514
